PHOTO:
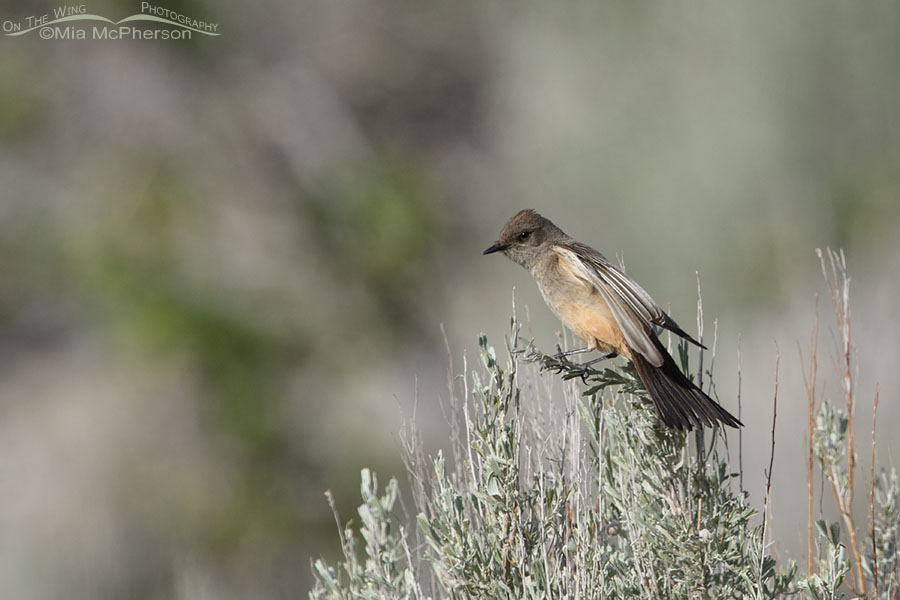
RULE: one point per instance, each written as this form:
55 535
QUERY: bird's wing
634 294
632 307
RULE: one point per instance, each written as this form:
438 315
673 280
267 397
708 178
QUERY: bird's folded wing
639 300
632 307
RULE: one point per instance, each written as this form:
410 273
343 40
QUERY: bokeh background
224 262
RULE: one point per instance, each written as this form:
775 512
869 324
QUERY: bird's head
525 237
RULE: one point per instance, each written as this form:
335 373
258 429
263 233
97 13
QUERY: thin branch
699 332
769 473
809 382
740 429
345 546
699 433
839 288
859 587
872 500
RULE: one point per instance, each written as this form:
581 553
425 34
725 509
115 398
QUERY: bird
611 312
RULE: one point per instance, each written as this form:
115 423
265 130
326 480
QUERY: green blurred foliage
127 273
21 105
377 227
128 266
865 206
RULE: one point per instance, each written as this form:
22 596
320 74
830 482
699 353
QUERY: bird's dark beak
497 247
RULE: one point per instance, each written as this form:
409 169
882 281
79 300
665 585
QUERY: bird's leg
599 358
562 354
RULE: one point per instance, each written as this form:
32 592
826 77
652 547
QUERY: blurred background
225 261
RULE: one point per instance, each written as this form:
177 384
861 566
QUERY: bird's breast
583 310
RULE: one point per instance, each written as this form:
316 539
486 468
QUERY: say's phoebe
611 312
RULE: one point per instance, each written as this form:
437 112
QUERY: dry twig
872 501
809 382
839 288
771 463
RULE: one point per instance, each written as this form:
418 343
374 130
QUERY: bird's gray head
525 237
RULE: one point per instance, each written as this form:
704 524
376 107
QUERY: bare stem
771 464
809 382
740 430
844 508
872 501
839 288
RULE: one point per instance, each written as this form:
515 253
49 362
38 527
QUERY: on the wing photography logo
74 22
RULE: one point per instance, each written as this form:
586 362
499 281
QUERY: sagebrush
578 491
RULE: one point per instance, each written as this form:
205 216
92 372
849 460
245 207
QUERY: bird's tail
681 404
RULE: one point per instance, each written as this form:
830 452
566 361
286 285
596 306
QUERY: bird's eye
524 235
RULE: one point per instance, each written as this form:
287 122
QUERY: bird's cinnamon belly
593 322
